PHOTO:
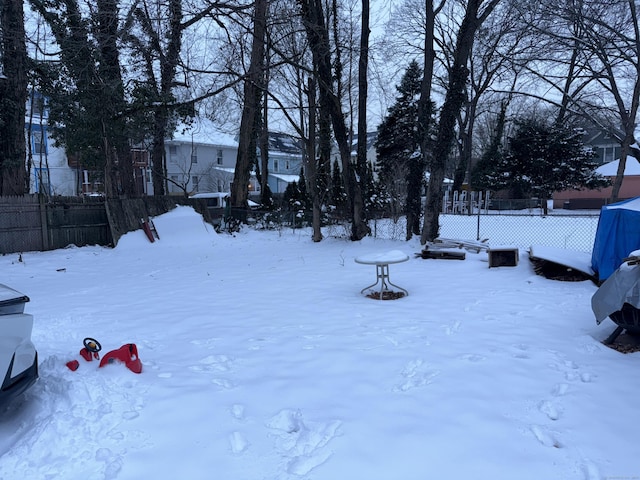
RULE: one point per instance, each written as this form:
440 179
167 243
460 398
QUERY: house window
174 184
195 181
173 153
37 106
42 183
275 165
219 157
39 142
287 166
609 154
194 155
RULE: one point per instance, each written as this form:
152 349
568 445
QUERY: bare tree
318 35
476 12
596 70
361 155
500 43
253 87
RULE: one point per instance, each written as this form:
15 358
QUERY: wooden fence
34 223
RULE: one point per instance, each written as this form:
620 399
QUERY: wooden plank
444 254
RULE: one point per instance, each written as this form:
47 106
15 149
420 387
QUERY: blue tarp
618 235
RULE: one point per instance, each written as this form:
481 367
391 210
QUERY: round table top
384 258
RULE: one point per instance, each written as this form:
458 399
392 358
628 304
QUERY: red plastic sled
147 230
127 354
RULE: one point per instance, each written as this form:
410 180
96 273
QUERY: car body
18 355
217 203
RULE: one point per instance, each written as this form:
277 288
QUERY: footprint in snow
416 375
220 363
549 409
237 411
591 471
544 437
521 351
223 383
560 389
302 443
238 442
472 357
452 328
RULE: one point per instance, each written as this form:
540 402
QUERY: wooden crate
503 257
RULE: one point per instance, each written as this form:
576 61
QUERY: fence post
44 225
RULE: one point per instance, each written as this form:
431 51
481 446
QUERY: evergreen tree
400 165
377 199
338 194
543 158
291 195
483 174
305 198
398 133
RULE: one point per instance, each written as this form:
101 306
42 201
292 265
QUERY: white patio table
382 262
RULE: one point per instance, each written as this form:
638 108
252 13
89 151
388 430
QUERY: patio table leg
382 276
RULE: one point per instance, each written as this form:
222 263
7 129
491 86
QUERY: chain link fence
562 229
567 231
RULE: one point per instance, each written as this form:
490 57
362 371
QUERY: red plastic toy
127 354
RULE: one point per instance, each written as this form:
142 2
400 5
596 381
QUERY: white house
285 161
49 170
201 158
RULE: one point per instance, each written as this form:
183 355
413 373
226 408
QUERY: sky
262 360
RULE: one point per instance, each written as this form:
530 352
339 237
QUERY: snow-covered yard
262 361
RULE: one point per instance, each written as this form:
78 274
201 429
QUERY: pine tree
483 174
400 165
338 193
397 134
543 158
305 199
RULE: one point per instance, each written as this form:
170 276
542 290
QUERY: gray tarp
620 288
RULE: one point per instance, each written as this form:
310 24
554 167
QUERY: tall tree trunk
453 102
359 212
318 35
158 154
13 98
264 149
251 109
425 104
312 165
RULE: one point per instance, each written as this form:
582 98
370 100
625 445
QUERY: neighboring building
47 164
594 199
201 158
608 151
285 161
55 172
606 146
371 150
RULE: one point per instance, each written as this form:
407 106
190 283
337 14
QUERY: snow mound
181 227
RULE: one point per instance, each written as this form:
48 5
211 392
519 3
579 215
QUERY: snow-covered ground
262 361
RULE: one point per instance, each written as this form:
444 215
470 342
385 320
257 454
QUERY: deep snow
262 361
